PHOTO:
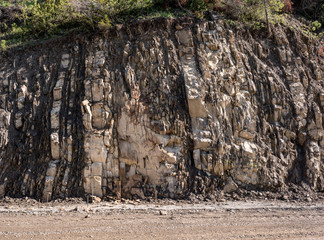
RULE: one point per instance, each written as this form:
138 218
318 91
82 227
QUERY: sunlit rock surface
162 106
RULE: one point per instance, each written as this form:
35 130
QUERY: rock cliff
164 106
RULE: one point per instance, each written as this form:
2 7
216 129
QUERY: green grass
53 18
4 3
12 33
41 22
58 18
169 13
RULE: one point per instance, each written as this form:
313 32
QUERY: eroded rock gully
162 106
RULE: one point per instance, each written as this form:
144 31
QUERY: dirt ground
171 220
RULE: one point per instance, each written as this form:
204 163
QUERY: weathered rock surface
162 106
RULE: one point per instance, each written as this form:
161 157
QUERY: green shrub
3 45
316 25
198 5
43 18
256 10
51 17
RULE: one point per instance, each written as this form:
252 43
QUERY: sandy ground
175 220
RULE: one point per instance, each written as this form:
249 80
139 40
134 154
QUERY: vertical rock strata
166 106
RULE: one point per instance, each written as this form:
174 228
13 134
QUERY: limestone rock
55 146
189 105
230 186
65 60
4 118
95 147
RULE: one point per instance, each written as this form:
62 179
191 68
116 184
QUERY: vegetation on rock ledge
22 21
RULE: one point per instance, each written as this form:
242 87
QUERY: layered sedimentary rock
162 107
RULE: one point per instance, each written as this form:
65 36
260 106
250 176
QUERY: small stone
285 197
163 212
96 199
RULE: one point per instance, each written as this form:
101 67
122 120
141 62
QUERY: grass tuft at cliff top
25 21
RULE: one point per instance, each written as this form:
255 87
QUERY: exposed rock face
166 106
